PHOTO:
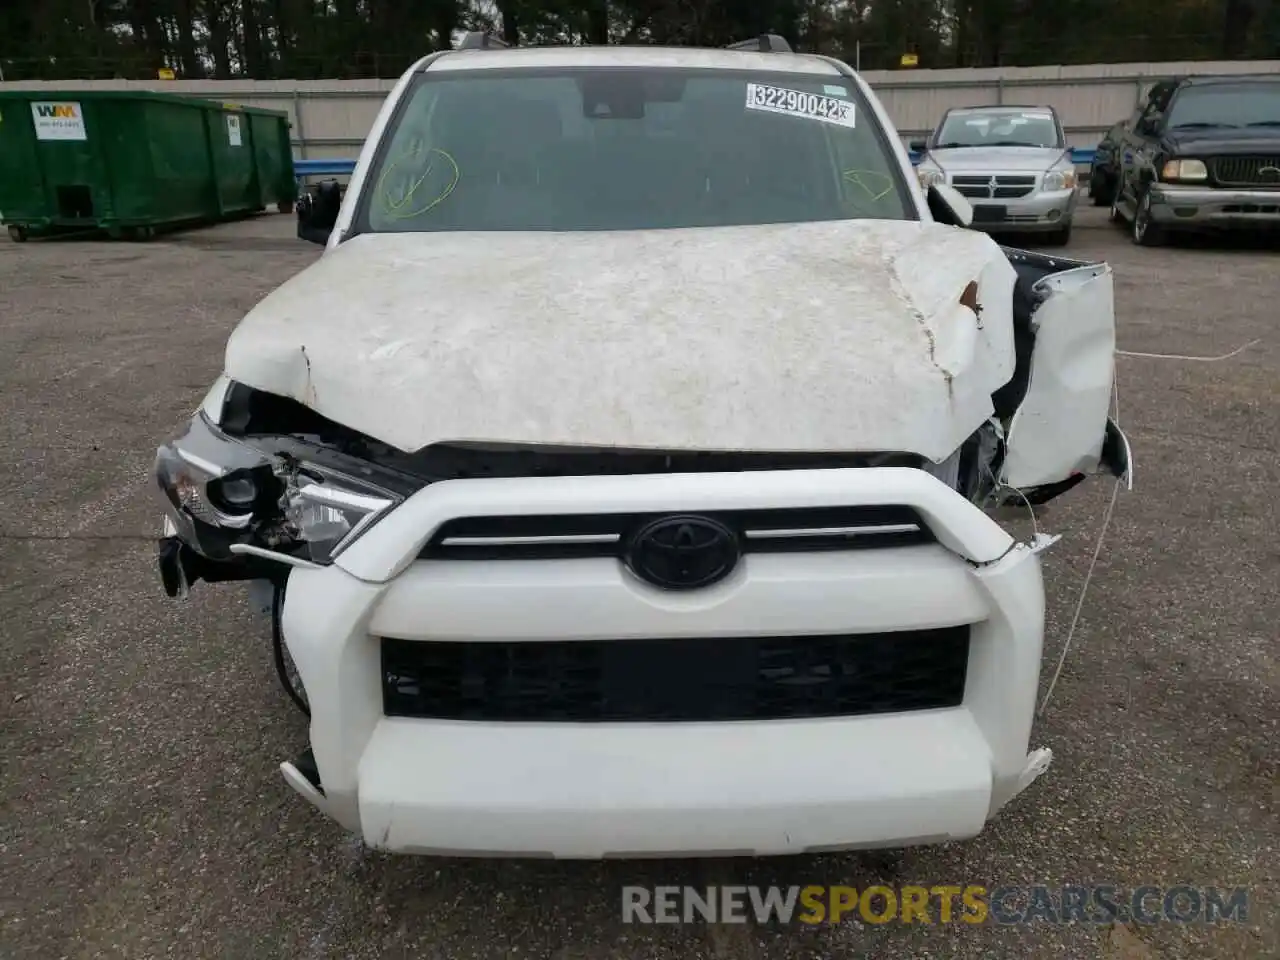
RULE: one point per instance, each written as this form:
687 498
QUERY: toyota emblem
682 553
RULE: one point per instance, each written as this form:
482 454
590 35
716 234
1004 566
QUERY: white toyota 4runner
622 471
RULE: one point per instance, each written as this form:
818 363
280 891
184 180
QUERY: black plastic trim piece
1050 491
481 40
685 679
277 654
178 562
306 765
764 43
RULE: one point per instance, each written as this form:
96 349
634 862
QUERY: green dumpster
132 162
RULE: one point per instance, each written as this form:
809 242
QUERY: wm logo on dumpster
58 121
58 111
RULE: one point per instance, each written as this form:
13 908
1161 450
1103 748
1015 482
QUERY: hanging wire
1106 517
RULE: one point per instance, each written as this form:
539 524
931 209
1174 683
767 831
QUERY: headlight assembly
1194 170
325 511
220 492
213 487
948 470
928 176
972 468
1061 179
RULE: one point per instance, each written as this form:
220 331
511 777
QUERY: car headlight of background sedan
928 176
1060 178
1184 170
219 492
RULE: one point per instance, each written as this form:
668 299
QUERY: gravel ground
143 814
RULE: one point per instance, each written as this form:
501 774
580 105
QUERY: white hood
838 336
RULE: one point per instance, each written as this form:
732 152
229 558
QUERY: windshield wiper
1015 143
1264 123
955 146
1199 125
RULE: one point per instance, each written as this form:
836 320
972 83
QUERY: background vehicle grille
1246 171
1269 209
550 537
1007 185
682 679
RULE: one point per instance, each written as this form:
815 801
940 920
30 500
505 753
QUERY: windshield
626 149
1227 105
999 128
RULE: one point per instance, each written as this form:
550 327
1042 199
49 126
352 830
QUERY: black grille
557 536
708 679
1007 185
1246 171
1270 209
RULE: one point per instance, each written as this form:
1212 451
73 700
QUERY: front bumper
1038 213
640 788
1193 208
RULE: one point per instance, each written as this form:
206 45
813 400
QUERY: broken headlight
324 511
948 470
214 488
973 468
220 492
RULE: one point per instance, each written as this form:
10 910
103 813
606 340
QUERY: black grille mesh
708 679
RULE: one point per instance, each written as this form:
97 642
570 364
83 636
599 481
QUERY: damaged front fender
1061 430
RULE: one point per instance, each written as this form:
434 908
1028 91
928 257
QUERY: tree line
302 39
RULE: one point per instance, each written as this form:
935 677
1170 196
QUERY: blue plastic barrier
335 168
323 168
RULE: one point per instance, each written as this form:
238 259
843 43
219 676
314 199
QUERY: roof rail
765 43
479 40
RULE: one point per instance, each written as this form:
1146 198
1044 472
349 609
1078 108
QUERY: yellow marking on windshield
395 208
860 178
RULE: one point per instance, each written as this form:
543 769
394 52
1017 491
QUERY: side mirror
318 212
948 205
918 146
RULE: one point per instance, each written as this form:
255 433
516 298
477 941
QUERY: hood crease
835 336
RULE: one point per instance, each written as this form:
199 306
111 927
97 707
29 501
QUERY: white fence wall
332 117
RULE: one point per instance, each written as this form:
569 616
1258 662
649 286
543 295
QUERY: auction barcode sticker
798 103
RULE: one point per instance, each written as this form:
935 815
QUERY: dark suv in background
1202 154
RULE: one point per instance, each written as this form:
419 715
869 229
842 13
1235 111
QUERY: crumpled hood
837 336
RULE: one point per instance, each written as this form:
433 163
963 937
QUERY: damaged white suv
622 470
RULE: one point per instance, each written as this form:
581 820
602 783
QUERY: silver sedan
1012 163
